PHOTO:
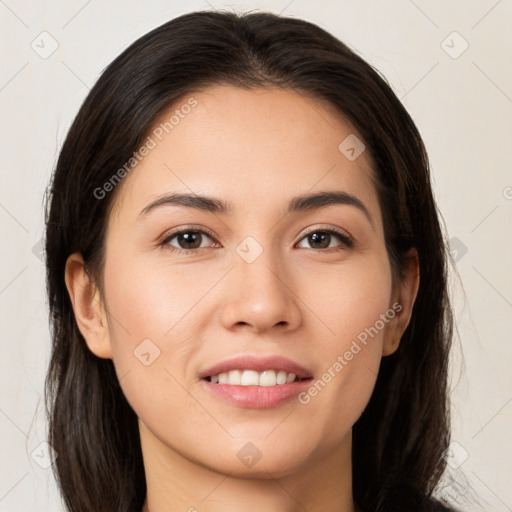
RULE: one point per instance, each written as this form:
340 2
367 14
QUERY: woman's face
258 274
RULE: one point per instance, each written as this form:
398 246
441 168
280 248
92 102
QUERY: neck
177 483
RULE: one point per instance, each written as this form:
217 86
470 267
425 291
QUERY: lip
258 364
257 397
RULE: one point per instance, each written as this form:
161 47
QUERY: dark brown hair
399 440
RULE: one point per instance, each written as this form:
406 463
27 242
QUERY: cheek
156 315
347 299
146 302
355 309
154 333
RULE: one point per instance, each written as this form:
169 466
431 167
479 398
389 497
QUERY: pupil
319 238
188 239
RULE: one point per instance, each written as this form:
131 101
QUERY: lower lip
257 397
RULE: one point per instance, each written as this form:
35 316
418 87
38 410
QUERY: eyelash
346 240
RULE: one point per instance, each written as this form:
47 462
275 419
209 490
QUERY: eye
186 240
323 238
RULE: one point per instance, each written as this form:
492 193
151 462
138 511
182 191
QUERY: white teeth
234 377
268 378
253 378
249 378
281 377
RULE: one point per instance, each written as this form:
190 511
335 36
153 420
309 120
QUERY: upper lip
259 364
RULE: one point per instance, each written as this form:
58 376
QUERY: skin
255 149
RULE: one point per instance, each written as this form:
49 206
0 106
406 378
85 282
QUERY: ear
402 302
88 307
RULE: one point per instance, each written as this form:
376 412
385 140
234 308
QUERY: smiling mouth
266 378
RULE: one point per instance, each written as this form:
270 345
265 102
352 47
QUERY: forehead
249 146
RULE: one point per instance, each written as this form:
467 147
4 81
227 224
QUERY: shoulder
426 505
440 507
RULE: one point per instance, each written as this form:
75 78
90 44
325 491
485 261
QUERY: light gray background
462 104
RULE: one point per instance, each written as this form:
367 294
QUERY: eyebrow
297 204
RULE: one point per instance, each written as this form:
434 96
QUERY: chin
259 458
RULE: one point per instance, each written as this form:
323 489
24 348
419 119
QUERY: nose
260 297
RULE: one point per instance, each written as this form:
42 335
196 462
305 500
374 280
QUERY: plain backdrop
449 62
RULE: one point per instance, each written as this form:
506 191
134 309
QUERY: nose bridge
258 267
259 294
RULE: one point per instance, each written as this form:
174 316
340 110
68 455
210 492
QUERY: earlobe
405 296
89 311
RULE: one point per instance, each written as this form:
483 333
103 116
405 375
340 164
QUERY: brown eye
319 240
190 240
187 240
323 239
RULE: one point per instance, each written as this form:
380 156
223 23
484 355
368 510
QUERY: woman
247 281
